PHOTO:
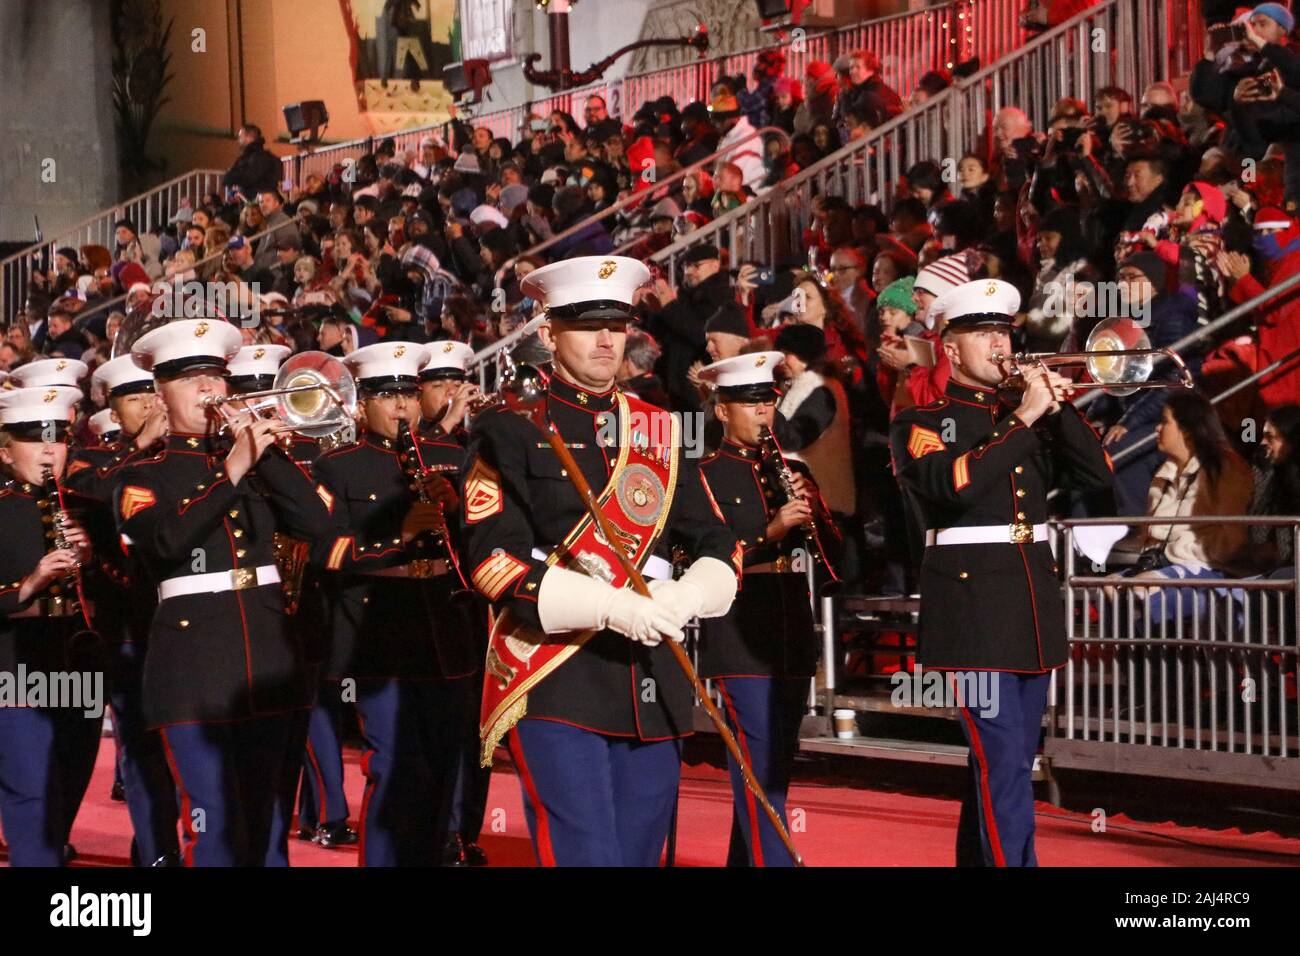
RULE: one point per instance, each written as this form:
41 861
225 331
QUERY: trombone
313 393
1118 355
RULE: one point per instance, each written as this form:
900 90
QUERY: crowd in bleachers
1183 202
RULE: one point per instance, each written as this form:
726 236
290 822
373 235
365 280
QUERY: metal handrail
1144 520
16 267
998 16
927 125
827 163
1210 328
635 198
91 220
907 129
491 352
1226 319
94 307
998 31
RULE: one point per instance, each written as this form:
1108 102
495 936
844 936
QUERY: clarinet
771 451
408 456
66 597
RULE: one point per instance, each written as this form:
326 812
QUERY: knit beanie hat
898 295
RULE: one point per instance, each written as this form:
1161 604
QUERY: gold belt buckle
1022 533
782 564
421 568
241 578
55 607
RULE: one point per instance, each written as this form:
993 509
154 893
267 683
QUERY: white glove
706 590
569 601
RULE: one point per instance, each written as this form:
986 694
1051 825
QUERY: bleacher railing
909 44
1207 333
1200 688
1115 42
146 211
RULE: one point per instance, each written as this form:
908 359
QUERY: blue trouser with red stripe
228 777
277 853
592 799
997 816
32 790
469 797
150 793
413 738
764 713
323 799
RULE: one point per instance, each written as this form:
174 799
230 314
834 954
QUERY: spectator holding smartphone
1247 67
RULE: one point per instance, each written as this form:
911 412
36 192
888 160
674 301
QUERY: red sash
637 499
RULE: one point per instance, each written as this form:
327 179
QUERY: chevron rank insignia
922 441
482 492
326 497
135 500
496 573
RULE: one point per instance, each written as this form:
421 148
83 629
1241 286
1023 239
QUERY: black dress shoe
453 853
69 853
118 793
307 834
331 835
474 855
167 859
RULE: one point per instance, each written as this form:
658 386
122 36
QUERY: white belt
655 567
1018 533
217 581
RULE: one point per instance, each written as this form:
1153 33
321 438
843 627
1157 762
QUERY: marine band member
761 653
396 632
42 747
594 705
124 605
445 392
978 471
202 516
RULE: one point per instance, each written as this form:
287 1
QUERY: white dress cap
36 406
187 343
257 360
606 283
53 371
754 368
387 363
121 376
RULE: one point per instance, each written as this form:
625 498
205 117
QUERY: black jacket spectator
256 169
679 329
872 99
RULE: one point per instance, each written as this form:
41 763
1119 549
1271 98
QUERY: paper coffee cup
846 723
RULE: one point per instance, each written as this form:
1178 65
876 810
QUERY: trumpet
1118 355
522 386
313 393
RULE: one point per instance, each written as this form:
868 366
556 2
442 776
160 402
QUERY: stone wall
58 155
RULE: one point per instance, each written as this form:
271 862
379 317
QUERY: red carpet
834 826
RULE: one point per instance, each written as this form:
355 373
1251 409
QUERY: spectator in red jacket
1277 244
1045 14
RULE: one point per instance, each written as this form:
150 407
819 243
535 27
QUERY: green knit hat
898 295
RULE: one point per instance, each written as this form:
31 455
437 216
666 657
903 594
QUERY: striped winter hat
943 274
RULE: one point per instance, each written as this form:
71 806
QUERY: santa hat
1212 198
